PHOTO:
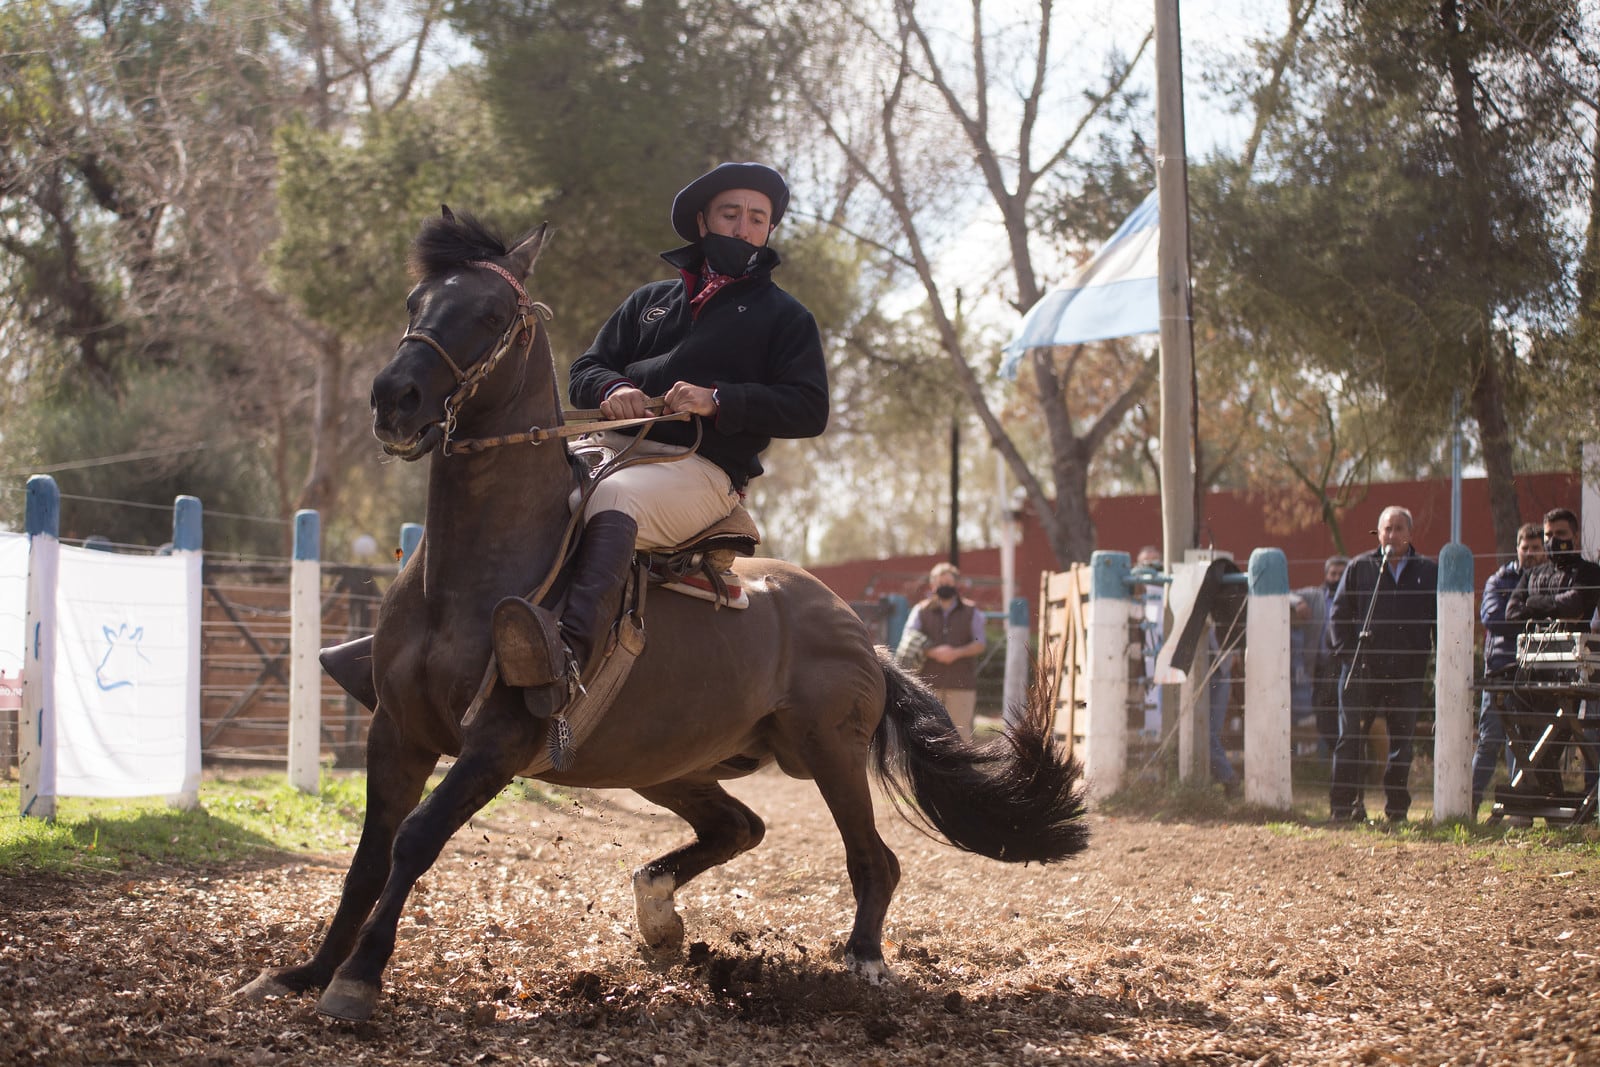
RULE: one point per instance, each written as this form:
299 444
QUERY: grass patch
237 818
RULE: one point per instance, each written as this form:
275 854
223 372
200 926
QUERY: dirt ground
1167 943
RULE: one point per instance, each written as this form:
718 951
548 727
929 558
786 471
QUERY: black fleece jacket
1566 588
756 345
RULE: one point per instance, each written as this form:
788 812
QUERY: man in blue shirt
1500 658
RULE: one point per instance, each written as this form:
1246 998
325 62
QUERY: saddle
702 566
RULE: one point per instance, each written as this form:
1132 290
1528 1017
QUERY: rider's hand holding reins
696 399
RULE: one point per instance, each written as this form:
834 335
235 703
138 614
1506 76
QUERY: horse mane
446 242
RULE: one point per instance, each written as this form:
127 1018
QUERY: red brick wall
1233 521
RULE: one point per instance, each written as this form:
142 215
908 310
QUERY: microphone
1384 552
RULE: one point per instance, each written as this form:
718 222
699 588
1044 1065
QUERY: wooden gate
1063 642
244 659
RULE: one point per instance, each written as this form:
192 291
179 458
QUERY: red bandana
710 284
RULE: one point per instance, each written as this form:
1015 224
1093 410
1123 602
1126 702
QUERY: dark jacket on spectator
1565 587
1403 615
1499 635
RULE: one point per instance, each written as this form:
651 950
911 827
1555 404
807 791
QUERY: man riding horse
721 342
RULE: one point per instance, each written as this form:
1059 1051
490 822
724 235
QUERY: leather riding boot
530 646
604 559
350 664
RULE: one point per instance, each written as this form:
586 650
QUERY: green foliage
164 438
350 205
236 819
608 108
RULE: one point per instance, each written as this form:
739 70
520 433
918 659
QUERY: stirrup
528 645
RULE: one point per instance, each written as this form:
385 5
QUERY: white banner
124 683
13 604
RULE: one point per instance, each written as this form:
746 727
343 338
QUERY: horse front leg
501 744
723 828
396 775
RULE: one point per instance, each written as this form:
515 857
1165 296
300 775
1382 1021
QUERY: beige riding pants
671 502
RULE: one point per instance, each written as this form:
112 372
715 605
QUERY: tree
891 99
1403 236
136 200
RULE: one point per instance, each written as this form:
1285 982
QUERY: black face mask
1560 547
945 592
728 255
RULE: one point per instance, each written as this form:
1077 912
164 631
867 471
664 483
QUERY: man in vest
954 628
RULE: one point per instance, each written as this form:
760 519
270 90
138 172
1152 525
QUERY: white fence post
305 641
187 528
36 727
1015 690
1452 687
1267 718
1105 742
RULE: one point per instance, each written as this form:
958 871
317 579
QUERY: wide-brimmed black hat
694 197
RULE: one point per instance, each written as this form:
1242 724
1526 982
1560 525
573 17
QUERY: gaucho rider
721 341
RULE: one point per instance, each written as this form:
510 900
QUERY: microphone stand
1366 624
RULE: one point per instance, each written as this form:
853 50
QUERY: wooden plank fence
244 659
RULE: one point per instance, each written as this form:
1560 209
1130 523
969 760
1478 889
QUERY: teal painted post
36 737
410 538
1105 745
1267 715
1013 701
1453 734
305 642
187 537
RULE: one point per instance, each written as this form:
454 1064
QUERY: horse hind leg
396 776
840 774
723 829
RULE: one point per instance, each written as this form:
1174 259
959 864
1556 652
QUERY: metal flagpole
1177 337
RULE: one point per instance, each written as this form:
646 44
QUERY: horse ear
444 210
526 253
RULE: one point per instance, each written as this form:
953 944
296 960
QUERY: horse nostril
408 402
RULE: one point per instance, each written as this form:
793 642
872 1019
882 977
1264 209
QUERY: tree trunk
1494 438
1488 385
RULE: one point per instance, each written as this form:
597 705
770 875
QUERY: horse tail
1017 798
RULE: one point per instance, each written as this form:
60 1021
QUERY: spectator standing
954 628
1500 659
1383 621
1564 590
1316 670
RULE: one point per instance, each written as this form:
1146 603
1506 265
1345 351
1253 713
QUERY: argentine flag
1112 295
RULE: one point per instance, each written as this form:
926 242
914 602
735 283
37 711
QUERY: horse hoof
659 922
265 986
348 999
874 972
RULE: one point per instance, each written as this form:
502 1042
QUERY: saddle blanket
701 588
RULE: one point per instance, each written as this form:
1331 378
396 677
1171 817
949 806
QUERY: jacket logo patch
741 308
657 314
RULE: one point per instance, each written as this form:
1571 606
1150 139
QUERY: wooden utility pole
1177 333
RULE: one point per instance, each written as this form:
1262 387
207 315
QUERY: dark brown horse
794 679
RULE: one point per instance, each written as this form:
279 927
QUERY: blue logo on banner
120 665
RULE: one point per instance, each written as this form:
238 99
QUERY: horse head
469 317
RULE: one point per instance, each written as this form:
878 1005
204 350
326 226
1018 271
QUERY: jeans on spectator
1491 745
1218 690
1361 700
1325 699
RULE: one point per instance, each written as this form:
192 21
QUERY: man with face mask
1566 587
954 628
1562 592
720 341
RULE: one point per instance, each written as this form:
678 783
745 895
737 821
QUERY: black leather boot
531 648
350 664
